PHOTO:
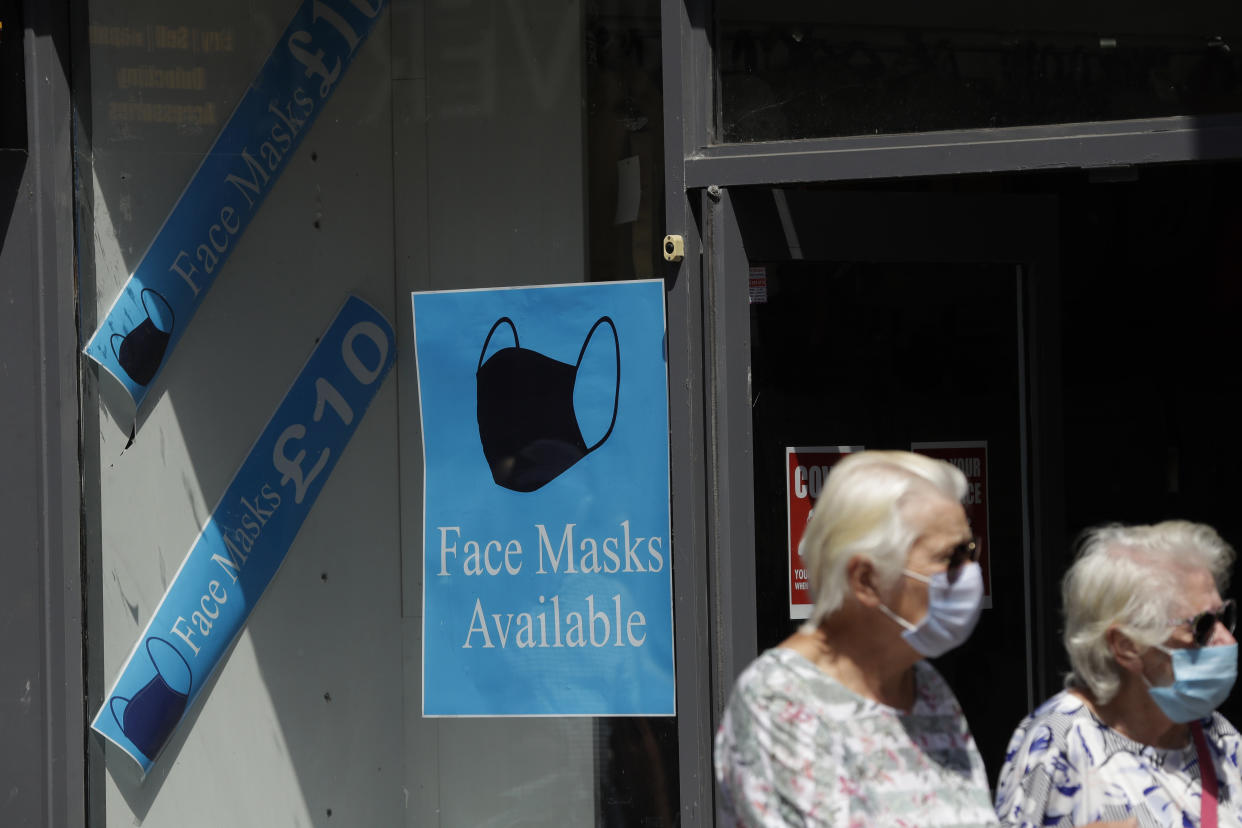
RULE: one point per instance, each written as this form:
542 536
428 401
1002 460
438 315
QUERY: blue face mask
1202 679
953 609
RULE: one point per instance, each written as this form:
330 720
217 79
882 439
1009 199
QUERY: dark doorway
899 320
1152 288
1081 323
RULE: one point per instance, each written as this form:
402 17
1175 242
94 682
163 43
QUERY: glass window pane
637 763
625 139
795 69
470 143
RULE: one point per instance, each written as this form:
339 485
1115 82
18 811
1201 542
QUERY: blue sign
547 557
248 534
252 150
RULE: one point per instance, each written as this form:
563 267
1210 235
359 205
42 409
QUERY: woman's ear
1125 652
861 575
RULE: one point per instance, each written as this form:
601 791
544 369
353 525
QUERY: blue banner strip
252 150
248 534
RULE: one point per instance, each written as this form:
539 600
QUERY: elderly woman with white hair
844 723
1135 732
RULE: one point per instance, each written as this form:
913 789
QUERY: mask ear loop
516 344
172 317
112 707
189 673
616 399
901 622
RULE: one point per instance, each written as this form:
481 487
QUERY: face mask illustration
142 349
151 715
527 424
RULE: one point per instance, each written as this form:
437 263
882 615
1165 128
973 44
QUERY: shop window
793 69
468 144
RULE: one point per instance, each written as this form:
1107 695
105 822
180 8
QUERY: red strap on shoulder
1207 777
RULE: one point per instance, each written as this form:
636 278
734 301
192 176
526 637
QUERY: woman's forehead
1197 586
938 515
1196 589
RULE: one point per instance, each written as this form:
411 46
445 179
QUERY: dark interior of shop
1148 288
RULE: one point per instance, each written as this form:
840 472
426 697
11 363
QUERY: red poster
806 470
971 456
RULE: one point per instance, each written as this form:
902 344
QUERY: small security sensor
674 248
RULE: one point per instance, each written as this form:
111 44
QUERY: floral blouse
1066 767
796 747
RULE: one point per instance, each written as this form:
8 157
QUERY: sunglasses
965 552
1204 624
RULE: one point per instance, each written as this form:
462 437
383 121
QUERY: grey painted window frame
44 758
1016 149
686 104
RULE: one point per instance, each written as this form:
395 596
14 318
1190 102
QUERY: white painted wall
450 156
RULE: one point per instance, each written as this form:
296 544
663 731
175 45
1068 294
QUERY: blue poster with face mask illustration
248 535
547 556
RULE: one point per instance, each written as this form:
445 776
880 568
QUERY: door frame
942 227
45 722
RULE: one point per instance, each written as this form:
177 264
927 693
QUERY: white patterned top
796 747
1065 767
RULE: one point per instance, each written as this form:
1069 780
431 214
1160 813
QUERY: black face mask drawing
150 716
142 349
527 424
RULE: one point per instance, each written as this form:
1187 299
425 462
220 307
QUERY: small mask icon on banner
527 424
152 714
142 349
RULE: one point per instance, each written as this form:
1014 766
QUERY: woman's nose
1221 636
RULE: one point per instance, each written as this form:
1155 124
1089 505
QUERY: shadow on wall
12 168
14 143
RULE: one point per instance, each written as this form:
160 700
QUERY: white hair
1131 578
863 511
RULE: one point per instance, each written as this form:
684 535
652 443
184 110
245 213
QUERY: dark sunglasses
965 552
1204 624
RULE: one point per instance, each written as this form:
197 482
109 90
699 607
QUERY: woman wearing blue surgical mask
1135 732
844 723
